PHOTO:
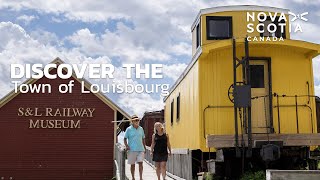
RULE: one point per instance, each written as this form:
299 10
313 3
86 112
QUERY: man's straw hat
134 117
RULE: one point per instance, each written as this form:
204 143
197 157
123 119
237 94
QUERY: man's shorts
135 156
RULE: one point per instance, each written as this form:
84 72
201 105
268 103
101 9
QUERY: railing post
120 159
278 107
297 116
179 164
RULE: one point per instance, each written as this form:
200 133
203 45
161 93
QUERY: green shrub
254 175
208 176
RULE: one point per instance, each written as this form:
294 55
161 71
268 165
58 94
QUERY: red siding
85 153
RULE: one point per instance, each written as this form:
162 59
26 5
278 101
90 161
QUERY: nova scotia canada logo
273 26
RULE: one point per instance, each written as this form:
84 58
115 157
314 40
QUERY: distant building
147 122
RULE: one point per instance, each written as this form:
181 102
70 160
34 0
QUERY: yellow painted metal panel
290 70
215 78
184 133
309 49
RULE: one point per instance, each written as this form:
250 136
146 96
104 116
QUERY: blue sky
118 32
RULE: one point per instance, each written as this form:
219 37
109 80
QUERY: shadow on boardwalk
149 173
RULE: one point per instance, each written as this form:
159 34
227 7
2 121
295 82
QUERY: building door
260 110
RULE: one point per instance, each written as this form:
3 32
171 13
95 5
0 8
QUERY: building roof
101 96
237 8
154 114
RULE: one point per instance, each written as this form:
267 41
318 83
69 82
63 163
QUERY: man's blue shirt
135 137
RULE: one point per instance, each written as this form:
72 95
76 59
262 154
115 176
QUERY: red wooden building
51 136
147 122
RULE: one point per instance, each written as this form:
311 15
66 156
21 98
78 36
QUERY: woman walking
159 149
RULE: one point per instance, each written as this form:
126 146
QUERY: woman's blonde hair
155 127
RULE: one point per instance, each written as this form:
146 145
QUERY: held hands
127 148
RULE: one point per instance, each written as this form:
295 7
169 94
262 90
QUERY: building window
278 33
172 108
257 76
219 27
198 35
178 107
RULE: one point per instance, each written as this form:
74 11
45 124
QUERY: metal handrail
204 116
278 106
296 106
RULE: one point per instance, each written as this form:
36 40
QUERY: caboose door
260 109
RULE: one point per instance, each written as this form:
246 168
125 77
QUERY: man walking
135 145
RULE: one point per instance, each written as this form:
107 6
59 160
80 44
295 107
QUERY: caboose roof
237 8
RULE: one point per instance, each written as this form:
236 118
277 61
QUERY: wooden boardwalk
149 173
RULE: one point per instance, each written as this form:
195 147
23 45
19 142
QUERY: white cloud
279 3
317 90
316 67
19 47
27 19
316 72
160 27
181 49
45 37
310 31
116 44
87 42
173 71
140 103
10 31
313 2
88 10
16 46
58 20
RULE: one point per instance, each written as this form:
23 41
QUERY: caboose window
257 76
178 107
172 107
198 35
273 28
219 27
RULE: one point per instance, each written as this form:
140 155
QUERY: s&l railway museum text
42 117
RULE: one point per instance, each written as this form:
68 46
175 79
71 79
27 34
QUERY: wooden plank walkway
148 172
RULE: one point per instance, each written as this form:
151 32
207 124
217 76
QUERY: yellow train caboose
248 90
